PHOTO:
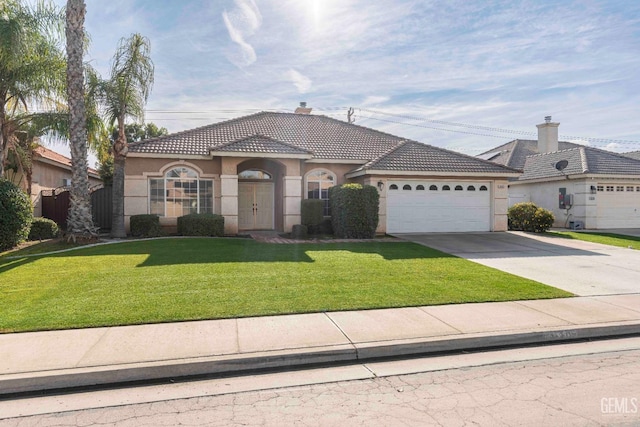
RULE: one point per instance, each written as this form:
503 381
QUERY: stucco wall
545 195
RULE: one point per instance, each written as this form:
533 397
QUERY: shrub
16 214
43 228
354 211
528 217
299 231
201 225
145 226
323 228
312 211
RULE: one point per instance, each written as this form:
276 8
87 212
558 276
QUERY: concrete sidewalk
100 356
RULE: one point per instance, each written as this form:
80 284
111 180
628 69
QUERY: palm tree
31 65
126 93
79 220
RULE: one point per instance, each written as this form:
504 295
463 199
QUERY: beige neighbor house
50 170
584 187
256 170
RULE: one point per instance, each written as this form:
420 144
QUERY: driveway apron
583 268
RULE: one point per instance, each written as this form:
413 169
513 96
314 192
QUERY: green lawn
200 278
604 238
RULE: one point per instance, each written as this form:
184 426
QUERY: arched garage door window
317 184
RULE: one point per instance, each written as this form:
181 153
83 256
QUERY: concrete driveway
582 268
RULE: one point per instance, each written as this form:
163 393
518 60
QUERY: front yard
202 278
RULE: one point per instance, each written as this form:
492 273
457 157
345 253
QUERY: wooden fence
55 206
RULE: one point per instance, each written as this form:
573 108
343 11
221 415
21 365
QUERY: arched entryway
260 195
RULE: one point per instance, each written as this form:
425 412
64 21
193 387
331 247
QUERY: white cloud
243 22
374 100
300 81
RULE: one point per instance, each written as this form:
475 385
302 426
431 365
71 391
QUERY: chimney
547 136
302 109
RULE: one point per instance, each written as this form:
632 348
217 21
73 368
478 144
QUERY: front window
180 193
318 183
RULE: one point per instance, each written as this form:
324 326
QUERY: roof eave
302 156
364 172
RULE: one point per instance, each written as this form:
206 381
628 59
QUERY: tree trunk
80 220
117 220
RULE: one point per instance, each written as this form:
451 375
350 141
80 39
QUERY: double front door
255 206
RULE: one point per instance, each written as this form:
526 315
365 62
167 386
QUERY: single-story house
49 170
255 171
585 187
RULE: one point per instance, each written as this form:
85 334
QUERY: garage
438 206
618 205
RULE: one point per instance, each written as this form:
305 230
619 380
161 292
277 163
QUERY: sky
463 75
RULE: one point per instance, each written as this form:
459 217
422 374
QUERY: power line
489 129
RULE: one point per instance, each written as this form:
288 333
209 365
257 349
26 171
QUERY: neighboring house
584 187
256 170
50 170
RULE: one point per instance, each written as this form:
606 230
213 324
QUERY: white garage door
424 206
618 206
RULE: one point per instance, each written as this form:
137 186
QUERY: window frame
334 181
192 175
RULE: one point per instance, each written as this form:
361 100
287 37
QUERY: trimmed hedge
43 228
312 212
354 211
529 217
145 226
204 224
16 214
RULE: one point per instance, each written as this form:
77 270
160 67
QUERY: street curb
238 364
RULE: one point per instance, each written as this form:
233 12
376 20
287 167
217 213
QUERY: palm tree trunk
80 220
117 220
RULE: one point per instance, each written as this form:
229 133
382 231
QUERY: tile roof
582 159
321 136
55 157
260 144
415 156
632 154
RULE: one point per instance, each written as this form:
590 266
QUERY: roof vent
302 109
547 119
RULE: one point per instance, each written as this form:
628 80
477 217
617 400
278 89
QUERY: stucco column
229 202
500 205
292 200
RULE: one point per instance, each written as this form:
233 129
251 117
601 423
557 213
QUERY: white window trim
199 177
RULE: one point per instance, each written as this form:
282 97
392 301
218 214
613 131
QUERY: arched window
179 193
406 187
317 184
471 188
446 188
393 187
433 187
420 187
458 188
483 188
254 174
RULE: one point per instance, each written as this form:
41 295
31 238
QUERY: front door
255 205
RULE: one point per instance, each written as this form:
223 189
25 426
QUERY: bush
312 211
528 217
201 225
43 228
323 228
299 231
354 211
145 226
16 214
